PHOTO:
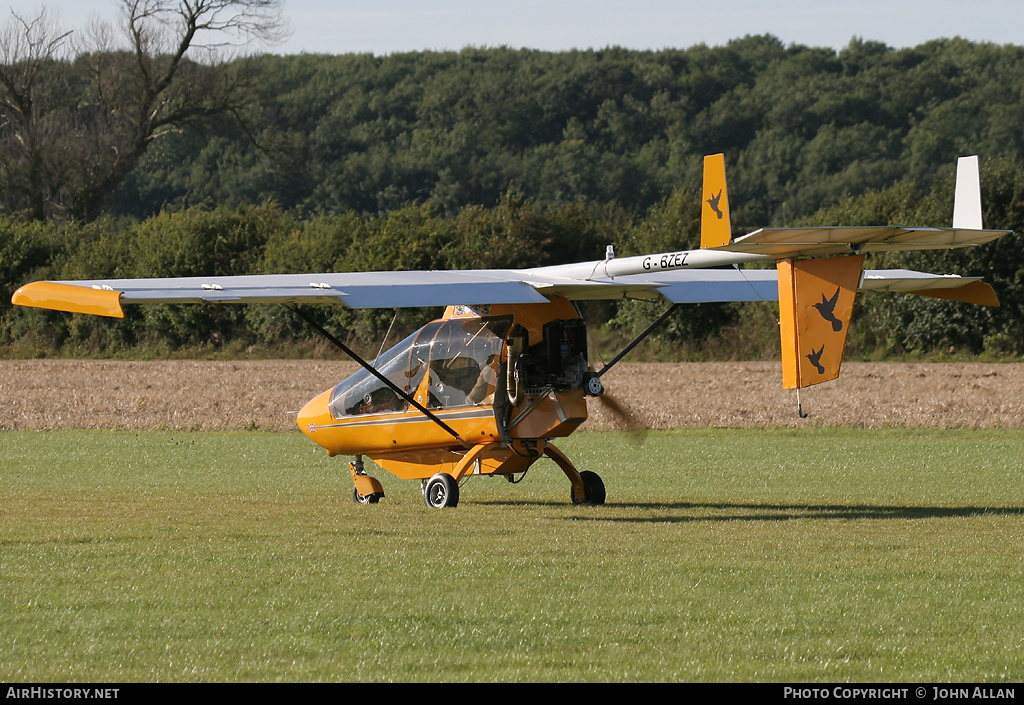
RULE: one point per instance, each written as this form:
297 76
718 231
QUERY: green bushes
515 158
887 325
515 233
268 239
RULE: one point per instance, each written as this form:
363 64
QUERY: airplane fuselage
508 377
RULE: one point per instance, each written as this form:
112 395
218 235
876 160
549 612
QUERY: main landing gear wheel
441 491
365 499
593 489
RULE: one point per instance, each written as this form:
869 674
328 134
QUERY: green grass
826 555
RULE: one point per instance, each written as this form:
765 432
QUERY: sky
390 26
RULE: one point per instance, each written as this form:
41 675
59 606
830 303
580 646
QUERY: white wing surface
432 288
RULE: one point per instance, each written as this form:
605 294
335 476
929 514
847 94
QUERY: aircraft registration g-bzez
485 389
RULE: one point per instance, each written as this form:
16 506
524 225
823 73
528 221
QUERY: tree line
802 127
151 122
147 157
516 232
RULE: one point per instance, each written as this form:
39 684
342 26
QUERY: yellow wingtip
69 297
979 293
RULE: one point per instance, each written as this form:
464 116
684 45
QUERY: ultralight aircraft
486 389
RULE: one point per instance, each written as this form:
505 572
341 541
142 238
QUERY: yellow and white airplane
486 389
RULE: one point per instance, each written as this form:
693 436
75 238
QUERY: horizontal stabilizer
976 293
838 240
951 287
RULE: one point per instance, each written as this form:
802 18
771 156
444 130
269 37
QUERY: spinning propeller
634 427
622 412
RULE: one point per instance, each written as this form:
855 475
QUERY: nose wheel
366 490
371 498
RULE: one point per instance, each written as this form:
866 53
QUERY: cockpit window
404 365
461 356
464 362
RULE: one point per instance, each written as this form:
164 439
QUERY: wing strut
625 351
373 371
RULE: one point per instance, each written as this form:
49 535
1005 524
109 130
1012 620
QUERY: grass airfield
722 555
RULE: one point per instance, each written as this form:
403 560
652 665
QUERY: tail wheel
593 488
441 491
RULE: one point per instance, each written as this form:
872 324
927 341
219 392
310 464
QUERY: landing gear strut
587 486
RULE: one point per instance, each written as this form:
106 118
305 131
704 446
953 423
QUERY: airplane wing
408 289
680 277
352 289
717 285
432 288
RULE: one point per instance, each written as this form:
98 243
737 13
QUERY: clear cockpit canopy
443 365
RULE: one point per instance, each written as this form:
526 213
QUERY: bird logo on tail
713 202
827 309
815 358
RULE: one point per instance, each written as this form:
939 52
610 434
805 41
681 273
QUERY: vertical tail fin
715 230
815 305
967 200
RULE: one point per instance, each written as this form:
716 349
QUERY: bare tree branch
163 69
31 97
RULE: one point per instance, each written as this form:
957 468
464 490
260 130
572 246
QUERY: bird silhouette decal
713 202
827 307
815 358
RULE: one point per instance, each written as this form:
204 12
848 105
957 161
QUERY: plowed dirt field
56 394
